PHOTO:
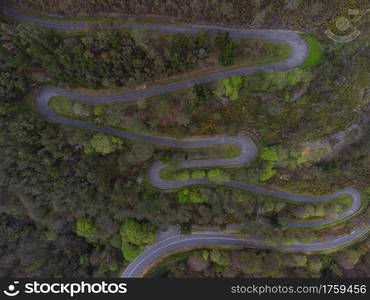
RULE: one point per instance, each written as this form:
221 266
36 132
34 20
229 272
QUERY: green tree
198 174
183 196
143 151
268 171
86 229
105 144
220 257
196 196
202 93
226 49
230 87
130 252
184 175
191 196
274 153
218 175
314 264
138 232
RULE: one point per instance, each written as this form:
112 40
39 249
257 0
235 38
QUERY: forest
51 228
297 14
231 263
101 58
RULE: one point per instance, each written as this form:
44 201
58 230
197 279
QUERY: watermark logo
69 288
345 25
12 291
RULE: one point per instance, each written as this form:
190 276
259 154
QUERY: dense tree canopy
76 203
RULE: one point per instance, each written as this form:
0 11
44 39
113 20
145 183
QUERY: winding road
161 248
249 151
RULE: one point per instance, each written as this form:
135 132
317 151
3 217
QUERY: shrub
115 241
130 252
226 49
314 52
182 176
63 106
191 196
231 87
269 154
183 196
143 151
202 93
221 258
81 110
268 171
218 175
51 236
104 144
86 229
297 157
99 110
198 174
138 233
274 153
205 254
196 196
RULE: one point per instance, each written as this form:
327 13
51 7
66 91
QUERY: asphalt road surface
157 250
299 50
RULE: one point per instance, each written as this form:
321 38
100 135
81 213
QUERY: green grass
62 106
314 52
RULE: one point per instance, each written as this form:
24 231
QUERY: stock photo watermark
344 24
69 289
